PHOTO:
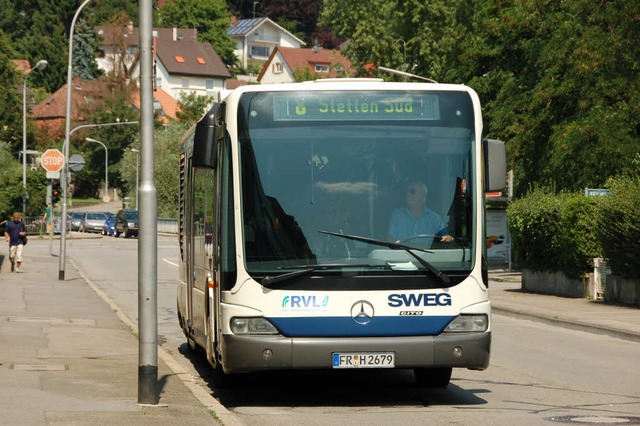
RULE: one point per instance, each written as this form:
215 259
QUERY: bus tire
433 377
220 379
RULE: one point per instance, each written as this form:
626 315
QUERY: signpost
52 161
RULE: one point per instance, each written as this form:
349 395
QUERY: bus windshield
328 178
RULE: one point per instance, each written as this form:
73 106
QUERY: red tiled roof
21 65
84 95
168 104
298 58
234 83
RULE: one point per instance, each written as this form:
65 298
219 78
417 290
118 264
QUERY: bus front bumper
253 353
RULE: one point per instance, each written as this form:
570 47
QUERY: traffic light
55 192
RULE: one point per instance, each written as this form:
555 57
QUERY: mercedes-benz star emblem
362 312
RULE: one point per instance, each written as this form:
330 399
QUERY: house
255 39
164 105
189 66
49 116
285 61
182 64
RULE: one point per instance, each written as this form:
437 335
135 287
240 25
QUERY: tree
210 17
10 103
418 36
192 107
166 171
84 52
557 80
116 138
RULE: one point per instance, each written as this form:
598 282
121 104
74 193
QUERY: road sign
52 160
76 162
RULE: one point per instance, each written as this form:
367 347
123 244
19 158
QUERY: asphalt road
539 374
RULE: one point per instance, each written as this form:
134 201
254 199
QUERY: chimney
130 27
175 34
234 19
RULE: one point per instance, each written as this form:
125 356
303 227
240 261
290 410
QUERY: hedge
564 232
618 227
554 232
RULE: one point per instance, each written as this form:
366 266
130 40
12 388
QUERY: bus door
189 228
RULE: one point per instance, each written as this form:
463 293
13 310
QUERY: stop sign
52 160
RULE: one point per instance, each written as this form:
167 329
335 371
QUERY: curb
569 324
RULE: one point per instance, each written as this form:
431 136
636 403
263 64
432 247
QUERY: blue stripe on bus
346 326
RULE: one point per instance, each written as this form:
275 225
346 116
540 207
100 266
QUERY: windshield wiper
308 269
396 246
270 280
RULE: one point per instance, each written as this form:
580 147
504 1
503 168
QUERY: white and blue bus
288 253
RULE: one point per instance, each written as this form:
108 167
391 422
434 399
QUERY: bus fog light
457 352
252 326
468 323
267 354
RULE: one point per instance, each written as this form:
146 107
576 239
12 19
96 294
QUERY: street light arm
106 165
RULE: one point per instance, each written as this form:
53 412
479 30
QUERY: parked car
126 223
74 220
107 228
92 222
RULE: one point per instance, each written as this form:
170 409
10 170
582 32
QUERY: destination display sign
354 106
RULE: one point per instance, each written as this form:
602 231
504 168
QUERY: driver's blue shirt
403 225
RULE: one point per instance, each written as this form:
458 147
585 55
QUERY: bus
289 254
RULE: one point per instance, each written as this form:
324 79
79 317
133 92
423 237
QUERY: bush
555 232
579 242
534 223
618 227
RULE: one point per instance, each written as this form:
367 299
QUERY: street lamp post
137 159
106 165
67 128
40 65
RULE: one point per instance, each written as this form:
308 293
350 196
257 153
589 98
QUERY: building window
158 81
209 84
321 68
278 68
179 59
201 60
259 51
185 83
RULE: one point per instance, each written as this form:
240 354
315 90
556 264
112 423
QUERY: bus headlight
252 326
468 324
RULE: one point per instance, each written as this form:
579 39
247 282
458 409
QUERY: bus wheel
220 379
433 377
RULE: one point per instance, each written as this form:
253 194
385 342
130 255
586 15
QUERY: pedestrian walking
16 233
46 217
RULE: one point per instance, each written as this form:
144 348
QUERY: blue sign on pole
593 192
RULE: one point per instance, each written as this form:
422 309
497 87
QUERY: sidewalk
507 298
66 358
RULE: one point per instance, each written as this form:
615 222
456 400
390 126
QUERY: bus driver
415 218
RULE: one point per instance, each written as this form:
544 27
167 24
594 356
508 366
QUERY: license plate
364 360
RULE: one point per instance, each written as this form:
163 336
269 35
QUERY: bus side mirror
208 135
495 165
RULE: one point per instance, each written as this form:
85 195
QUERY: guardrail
36 226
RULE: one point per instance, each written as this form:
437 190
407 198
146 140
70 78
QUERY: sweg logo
424 299
304 302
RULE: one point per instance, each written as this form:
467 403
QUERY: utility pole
148 214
